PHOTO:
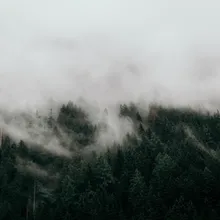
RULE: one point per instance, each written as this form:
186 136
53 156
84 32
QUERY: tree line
168 169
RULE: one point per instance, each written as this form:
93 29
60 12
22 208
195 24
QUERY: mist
109 52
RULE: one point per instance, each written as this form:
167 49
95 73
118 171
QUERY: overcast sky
109 51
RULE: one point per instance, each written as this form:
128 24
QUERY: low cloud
107 52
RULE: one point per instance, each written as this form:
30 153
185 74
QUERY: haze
109 51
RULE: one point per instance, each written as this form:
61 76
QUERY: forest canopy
167 169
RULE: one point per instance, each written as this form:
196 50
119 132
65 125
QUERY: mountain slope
167 169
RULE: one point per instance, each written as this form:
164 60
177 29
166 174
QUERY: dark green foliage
170 169
74 122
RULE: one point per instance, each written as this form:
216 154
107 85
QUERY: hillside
167 169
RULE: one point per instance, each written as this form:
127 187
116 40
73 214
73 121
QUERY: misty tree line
169 169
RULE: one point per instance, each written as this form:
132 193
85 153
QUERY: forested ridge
168 169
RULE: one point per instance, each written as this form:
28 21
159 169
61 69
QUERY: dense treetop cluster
168 169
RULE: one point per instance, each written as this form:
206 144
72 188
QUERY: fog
109 52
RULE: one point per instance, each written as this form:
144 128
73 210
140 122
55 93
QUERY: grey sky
109 51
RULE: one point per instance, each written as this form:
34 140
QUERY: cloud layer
109 51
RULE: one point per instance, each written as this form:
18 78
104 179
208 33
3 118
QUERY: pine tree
182 210
138 195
